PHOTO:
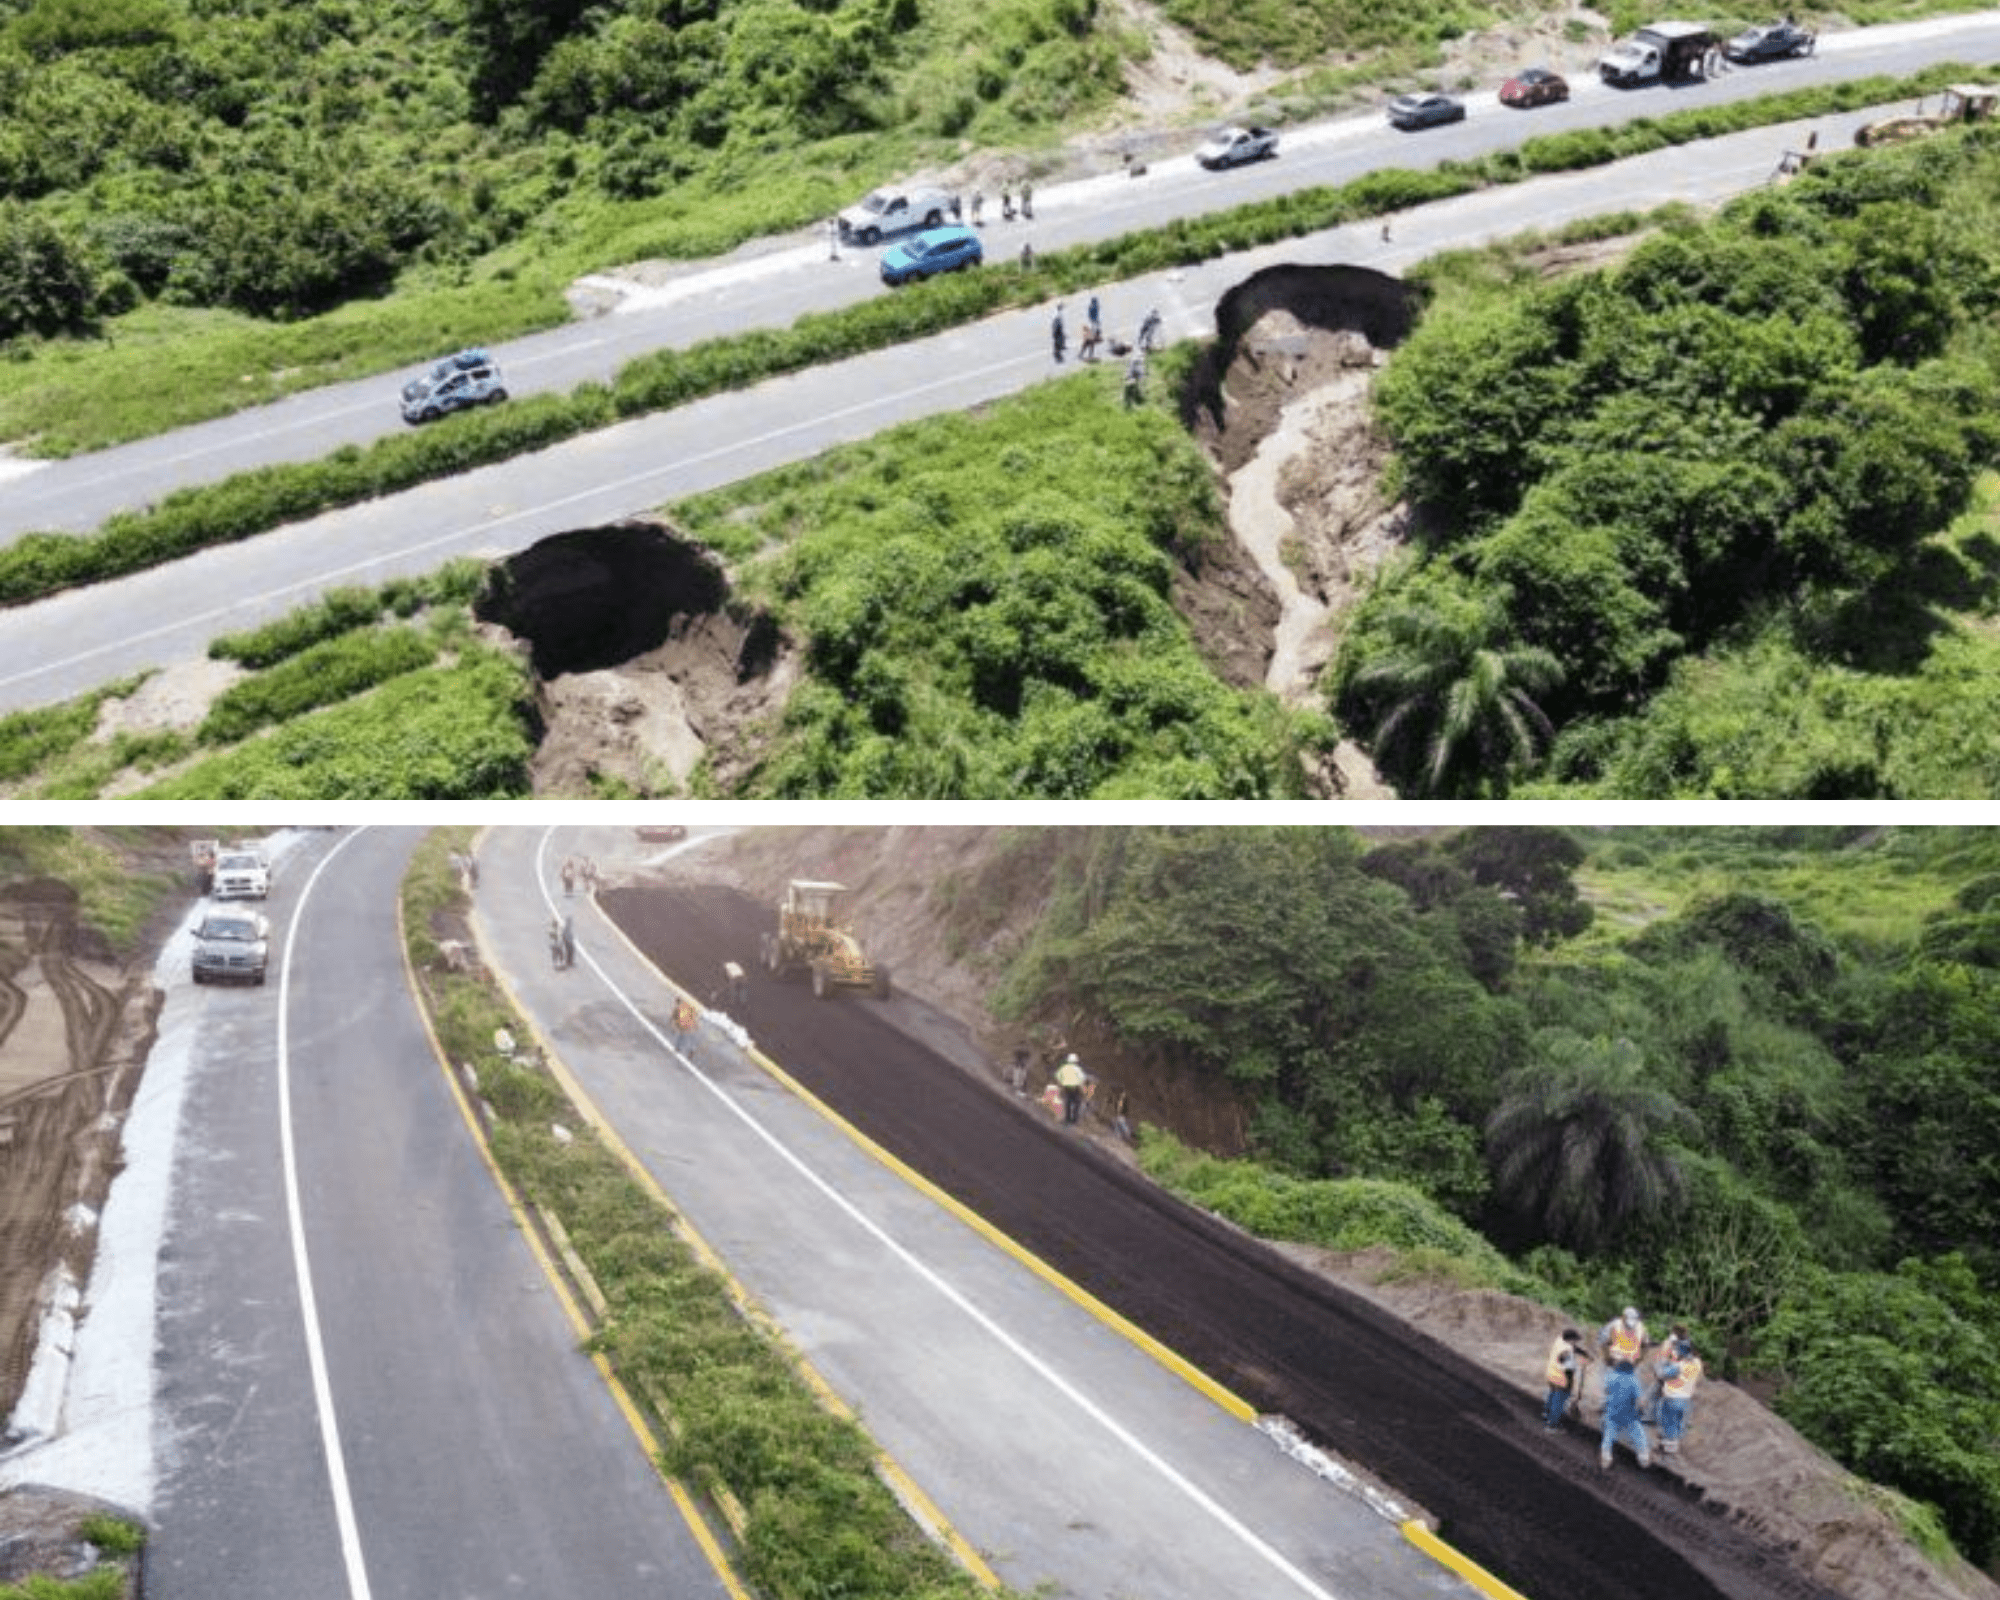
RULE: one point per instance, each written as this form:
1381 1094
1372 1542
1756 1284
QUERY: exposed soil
75 1030
1428 1387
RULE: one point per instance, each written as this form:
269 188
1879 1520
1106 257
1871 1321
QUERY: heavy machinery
1962 102
813 938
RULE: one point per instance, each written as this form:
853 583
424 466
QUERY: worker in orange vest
1623 1338
1565 1374
1679 1379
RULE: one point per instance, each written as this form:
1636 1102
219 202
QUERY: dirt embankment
76 1026
945 907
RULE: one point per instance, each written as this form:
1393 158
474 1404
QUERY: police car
469 378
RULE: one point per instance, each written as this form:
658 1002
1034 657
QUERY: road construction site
1101 1391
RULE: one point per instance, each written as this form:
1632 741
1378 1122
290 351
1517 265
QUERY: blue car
929 253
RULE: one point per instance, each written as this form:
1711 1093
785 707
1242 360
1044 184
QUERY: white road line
329 1429
321 580
1036 1363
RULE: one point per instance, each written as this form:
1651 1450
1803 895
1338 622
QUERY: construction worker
1681 1376
1663 1353
1070 1078
1565 1375
1623 1338
1621 1415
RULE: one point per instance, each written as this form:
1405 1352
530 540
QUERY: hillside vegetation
207 203
1768 1108
1709 522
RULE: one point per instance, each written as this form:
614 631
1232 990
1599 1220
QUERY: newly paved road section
1456 1438
1076 1464
482 1455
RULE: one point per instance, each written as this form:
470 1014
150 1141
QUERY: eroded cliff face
75 1029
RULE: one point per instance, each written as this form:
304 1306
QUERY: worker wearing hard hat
1071 1078
1678 1380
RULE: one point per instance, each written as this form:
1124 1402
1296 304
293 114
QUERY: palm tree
1577 1143
1458 713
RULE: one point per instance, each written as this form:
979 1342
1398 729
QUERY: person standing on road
1623 1338
1663 1353
556 943
978 209
833 238
1071 1078
569 875
568 943
1149 330
1681 1376
1027 201
1565 1375
1058 336
1621 1416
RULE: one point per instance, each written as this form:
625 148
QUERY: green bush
456 732
318 676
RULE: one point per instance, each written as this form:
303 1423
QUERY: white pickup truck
241 873
1663 52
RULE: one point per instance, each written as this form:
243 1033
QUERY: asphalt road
480 1454
1435 1427
1067 1458
74 642
769 283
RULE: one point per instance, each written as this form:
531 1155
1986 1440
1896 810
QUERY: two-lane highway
1070 1459
366 1383
770 283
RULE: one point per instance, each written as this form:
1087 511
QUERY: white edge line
329 1428
1036 1363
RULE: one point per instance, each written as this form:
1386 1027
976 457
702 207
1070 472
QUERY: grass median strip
40 564
812 1517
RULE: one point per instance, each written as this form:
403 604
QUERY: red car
1536 87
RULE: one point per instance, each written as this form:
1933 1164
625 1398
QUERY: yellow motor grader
813 938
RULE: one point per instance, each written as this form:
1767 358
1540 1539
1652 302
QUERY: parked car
231 945
1772 42
932 252
889 211
1424 110
1232 147
469 378
1536 86
240 874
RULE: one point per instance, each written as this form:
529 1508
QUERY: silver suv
231 946
470 378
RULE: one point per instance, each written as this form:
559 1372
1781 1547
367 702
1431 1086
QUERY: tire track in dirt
1436 1427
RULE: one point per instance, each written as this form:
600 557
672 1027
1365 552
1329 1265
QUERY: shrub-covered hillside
1688 522
1743 1077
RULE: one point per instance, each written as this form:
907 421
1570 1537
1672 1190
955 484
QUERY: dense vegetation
1727 469
366 694
1757 1094
986 616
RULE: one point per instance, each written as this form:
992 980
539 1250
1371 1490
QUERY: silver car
231 945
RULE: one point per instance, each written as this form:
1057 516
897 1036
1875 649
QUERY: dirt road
1454 1438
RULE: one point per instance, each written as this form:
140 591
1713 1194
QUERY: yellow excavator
813 937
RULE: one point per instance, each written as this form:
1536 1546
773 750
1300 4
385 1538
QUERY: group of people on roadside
1645 1384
